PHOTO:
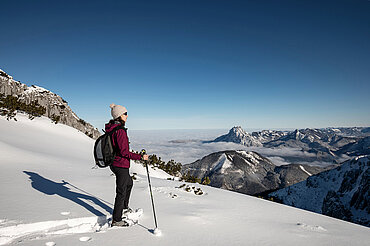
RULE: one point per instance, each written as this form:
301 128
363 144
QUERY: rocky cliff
239 136
54 104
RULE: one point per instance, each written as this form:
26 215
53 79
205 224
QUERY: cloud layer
187 146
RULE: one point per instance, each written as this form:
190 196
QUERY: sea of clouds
187 146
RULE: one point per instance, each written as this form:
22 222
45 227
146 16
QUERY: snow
250 158
75 116
222 164
8 76
304 170
35 88
51 195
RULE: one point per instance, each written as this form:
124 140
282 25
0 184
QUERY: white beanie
117 110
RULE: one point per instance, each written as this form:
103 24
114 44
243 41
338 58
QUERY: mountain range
327 144
340 190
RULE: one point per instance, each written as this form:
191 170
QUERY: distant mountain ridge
238 135
328 144
247 172
54 104
343 192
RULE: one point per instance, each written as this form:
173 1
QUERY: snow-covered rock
238 135
54 104
265 136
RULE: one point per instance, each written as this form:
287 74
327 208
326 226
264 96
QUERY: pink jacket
124 155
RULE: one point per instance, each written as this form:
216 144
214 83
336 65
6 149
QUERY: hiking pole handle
143 152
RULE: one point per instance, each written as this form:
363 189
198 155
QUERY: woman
121 163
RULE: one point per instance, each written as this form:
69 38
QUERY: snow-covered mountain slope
343 192
50 195
247 172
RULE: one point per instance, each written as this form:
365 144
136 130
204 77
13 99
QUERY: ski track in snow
21 232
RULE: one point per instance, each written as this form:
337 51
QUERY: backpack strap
114 139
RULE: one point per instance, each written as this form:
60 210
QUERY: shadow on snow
49 187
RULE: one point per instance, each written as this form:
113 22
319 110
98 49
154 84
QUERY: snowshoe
133 215
122 223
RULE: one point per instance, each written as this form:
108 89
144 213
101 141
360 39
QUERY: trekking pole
156 231
102 200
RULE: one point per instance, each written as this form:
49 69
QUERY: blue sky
196 64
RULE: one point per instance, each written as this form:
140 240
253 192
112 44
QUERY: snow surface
51 195
35 88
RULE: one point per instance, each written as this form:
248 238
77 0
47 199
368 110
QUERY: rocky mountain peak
238 135
5 75
55 105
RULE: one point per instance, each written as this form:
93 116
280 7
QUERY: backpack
104 153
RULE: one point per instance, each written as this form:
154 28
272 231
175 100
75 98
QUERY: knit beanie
117 110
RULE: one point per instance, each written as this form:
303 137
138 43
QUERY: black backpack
104 153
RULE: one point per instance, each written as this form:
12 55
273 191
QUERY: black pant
123 190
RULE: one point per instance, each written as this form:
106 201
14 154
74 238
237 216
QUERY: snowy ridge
54 105
36 89
251 157
5 75
222 164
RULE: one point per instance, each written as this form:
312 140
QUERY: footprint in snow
172 195
311 227
85 239
50 244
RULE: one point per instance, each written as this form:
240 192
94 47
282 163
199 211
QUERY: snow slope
342 192
51 195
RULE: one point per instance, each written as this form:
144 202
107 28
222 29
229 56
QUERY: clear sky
196 64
